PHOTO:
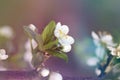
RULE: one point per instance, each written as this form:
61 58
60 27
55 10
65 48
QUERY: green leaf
58 54
37 59
62 56
48 32
51 44
40 42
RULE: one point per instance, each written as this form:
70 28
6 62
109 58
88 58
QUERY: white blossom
97 71
100 52
28 53
44 72
6 31
66 40
61 32
3 68
115 51
32 27
3 55
103 38
92 61
66 48
55 76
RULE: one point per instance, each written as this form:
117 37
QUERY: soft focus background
82 17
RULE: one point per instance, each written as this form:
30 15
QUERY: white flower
66 40
100 52
97 71
44 72
55 76
103 38
2 68
61 32
28 45
3 55
28 53
32 27
66 48
115 51
92 61
6 31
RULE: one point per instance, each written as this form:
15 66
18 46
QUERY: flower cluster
103 38
3 55
61 32
109 50
53 41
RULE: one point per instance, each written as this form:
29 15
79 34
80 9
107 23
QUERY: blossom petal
55 76
32 27
97 71
107 37
66 48
6 31
61 30
100 52
58 25
44 72
65 29
3 57
95 36
92 61
2 51
66 40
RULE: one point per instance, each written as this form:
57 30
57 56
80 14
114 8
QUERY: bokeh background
82 17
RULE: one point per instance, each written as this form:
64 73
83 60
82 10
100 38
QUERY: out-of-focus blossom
28 44
28 52
55 76
100 52
103 38
6 31
115 51
44 72
61 32
2 68
92 61
3 55
102 41
32 27
97 71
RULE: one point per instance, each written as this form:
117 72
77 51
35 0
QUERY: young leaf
40 42
62 56
50 44
31 34
35 36
48 32
37 59
58 54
